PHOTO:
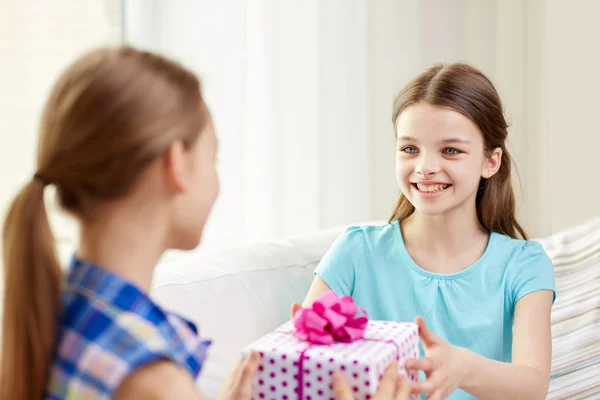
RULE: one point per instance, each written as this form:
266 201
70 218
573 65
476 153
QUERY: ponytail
32 279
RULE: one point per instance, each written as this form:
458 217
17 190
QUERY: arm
148 383
449 367
529 374
336 270
317 288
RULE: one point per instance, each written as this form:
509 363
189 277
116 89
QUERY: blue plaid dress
107 329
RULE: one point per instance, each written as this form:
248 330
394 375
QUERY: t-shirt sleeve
533 271
338 266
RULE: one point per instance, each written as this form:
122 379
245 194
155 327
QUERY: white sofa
237 295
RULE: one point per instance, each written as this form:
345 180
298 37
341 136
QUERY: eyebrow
445 141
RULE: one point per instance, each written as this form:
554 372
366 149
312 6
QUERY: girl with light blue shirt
453 256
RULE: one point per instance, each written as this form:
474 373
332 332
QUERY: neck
124 241
445 233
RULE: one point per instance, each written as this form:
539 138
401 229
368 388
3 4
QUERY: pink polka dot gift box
298 358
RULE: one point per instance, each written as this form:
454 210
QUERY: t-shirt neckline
435 275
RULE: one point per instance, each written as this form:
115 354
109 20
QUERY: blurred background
302 91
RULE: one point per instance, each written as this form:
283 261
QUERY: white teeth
431 188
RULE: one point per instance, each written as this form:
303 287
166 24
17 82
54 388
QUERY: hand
239 383
295 308
440 364
392 386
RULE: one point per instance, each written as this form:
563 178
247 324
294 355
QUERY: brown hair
466 90
109 115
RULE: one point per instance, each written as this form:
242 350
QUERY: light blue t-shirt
473 308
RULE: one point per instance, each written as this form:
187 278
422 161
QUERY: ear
492 163
174 167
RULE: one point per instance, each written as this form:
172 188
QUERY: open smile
430 189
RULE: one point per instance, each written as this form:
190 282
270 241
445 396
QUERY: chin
187 246
188 240
432 211
437 210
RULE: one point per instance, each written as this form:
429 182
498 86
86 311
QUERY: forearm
490 379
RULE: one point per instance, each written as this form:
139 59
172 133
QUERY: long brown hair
109 115
468 91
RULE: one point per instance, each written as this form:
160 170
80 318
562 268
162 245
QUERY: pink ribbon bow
331 319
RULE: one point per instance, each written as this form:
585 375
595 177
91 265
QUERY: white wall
394 55
540 54
37 41
572 138
287 85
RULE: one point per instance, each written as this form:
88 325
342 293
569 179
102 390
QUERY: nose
427 166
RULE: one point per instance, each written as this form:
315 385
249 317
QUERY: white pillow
576 312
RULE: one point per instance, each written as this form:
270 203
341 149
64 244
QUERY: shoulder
169 336
521 252
143 333
353 249
528 269
369 235
148 381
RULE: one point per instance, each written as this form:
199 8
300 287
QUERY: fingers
247 371
428 386
341 388
233 374
403 388
438 395
421 364
392 386
295 308
436 387
249 366
426 335
389 383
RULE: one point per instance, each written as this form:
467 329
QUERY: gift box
298 358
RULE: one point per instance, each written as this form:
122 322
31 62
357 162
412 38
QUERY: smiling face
440 159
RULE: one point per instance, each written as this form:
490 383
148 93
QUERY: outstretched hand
441 365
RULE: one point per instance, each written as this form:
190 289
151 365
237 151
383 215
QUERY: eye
451 152
409 150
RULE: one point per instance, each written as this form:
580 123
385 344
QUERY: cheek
464 173
403 167
208 184
403 171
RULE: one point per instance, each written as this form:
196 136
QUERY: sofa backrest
237 295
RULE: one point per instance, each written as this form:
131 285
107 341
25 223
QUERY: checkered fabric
107 329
